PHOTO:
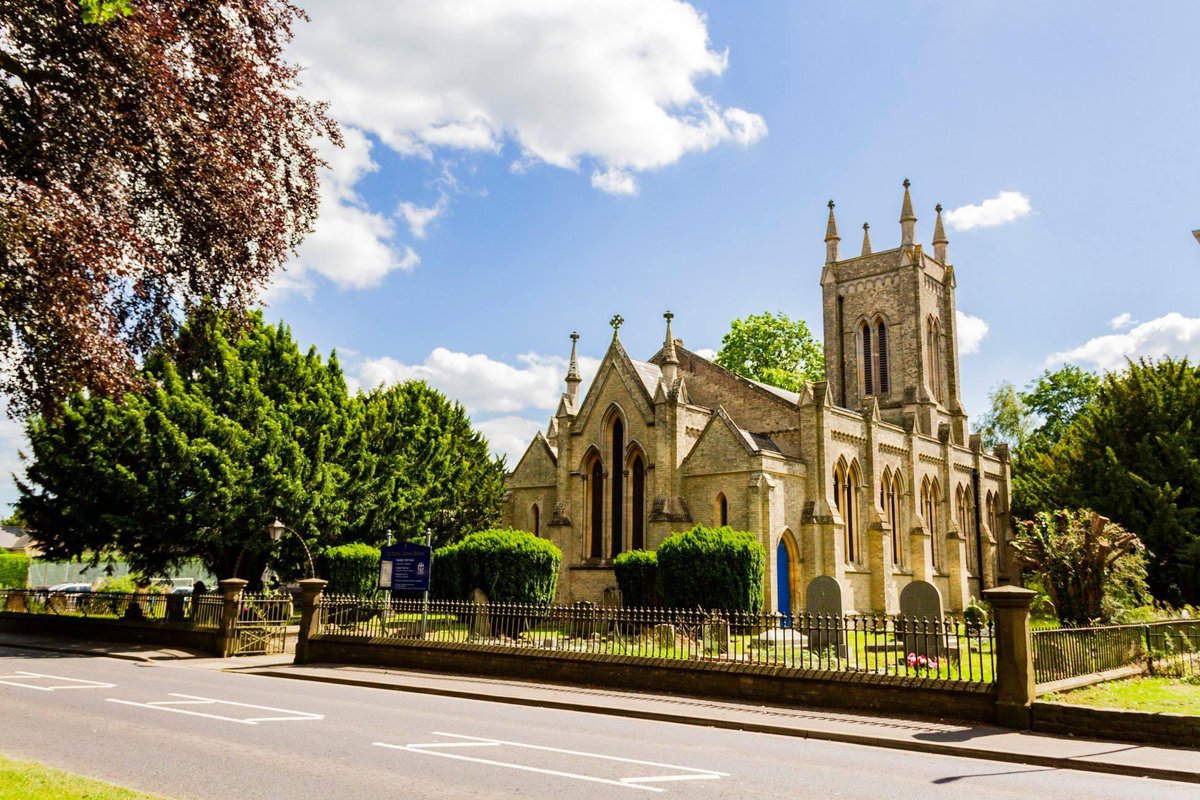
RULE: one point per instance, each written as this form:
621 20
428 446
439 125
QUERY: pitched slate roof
649 373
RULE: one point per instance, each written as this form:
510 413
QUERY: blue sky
519 170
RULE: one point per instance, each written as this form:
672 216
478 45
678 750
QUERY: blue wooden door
783 582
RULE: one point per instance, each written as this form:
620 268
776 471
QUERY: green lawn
1137 694
24 780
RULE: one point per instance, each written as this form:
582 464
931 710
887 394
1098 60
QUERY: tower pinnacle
670 362
866 248
831 238
573 378
939 237
908 220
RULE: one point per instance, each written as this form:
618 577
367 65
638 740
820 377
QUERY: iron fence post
231 591
310 596
1149 651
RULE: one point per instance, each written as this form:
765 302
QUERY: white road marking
434 749
72 683
194 700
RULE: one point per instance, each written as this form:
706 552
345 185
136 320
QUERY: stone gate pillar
310 597
1014 655
231 592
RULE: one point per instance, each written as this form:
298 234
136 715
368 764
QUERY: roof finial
908 220
866 248
831 238
617 321
939 237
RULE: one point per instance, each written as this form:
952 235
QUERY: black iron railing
203 611
938 649
1168 647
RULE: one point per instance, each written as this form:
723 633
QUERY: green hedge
711 568
509 566
350 568
637 575
14 570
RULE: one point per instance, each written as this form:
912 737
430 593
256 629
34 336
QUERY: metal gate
261 626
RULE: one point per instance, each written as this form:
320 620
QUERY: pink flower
922 661
912 659
933 663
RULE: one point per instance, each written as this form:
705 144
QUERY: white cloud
510 436
1122 321
419 217
352 246
479 382
611 84
1004 207
706 353
614 181
971 331
1170 335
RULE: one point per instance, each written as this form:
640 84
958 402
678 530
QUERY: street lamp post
275 532
277 529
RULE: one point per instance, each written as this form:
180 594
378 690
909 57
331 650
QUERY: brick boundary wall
166 634
708 679
1141 727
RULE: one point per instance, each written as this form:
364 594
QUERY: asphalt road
194 733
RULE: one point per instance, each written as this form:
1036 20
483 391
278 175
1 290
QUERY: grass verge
25 780
1137 694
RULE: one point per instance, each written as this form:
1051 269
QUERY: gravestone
583 619
823 608
921 628
716 635
664 636
481 624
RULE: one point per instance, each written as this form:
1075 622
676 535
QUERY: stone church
870 476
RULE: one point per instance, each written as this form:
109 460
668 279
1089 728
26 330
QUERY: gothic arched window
637 478
596 504
845 485
722 510
618 493
889 501
930 499
536 517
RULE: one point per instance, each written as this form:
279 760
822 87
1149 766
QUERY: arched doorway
783 582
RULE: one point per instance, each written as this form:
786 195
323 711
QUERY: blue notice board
404 566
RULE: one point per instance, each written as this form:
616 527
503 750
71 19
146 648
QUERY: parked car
70 587
70 594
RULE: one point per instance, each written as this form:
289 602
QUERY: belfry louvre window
874 367
882 348
868 363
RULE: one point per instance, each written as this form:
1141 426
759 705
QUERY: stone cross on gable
617 321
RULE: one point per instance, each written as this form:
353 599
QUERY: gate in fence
261 625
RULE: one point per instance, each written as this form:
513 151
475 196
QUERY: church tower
890 329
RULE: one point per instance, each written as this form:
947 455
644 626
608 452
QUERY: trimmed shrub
637 575
14 570
711 568
350 568
509 566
